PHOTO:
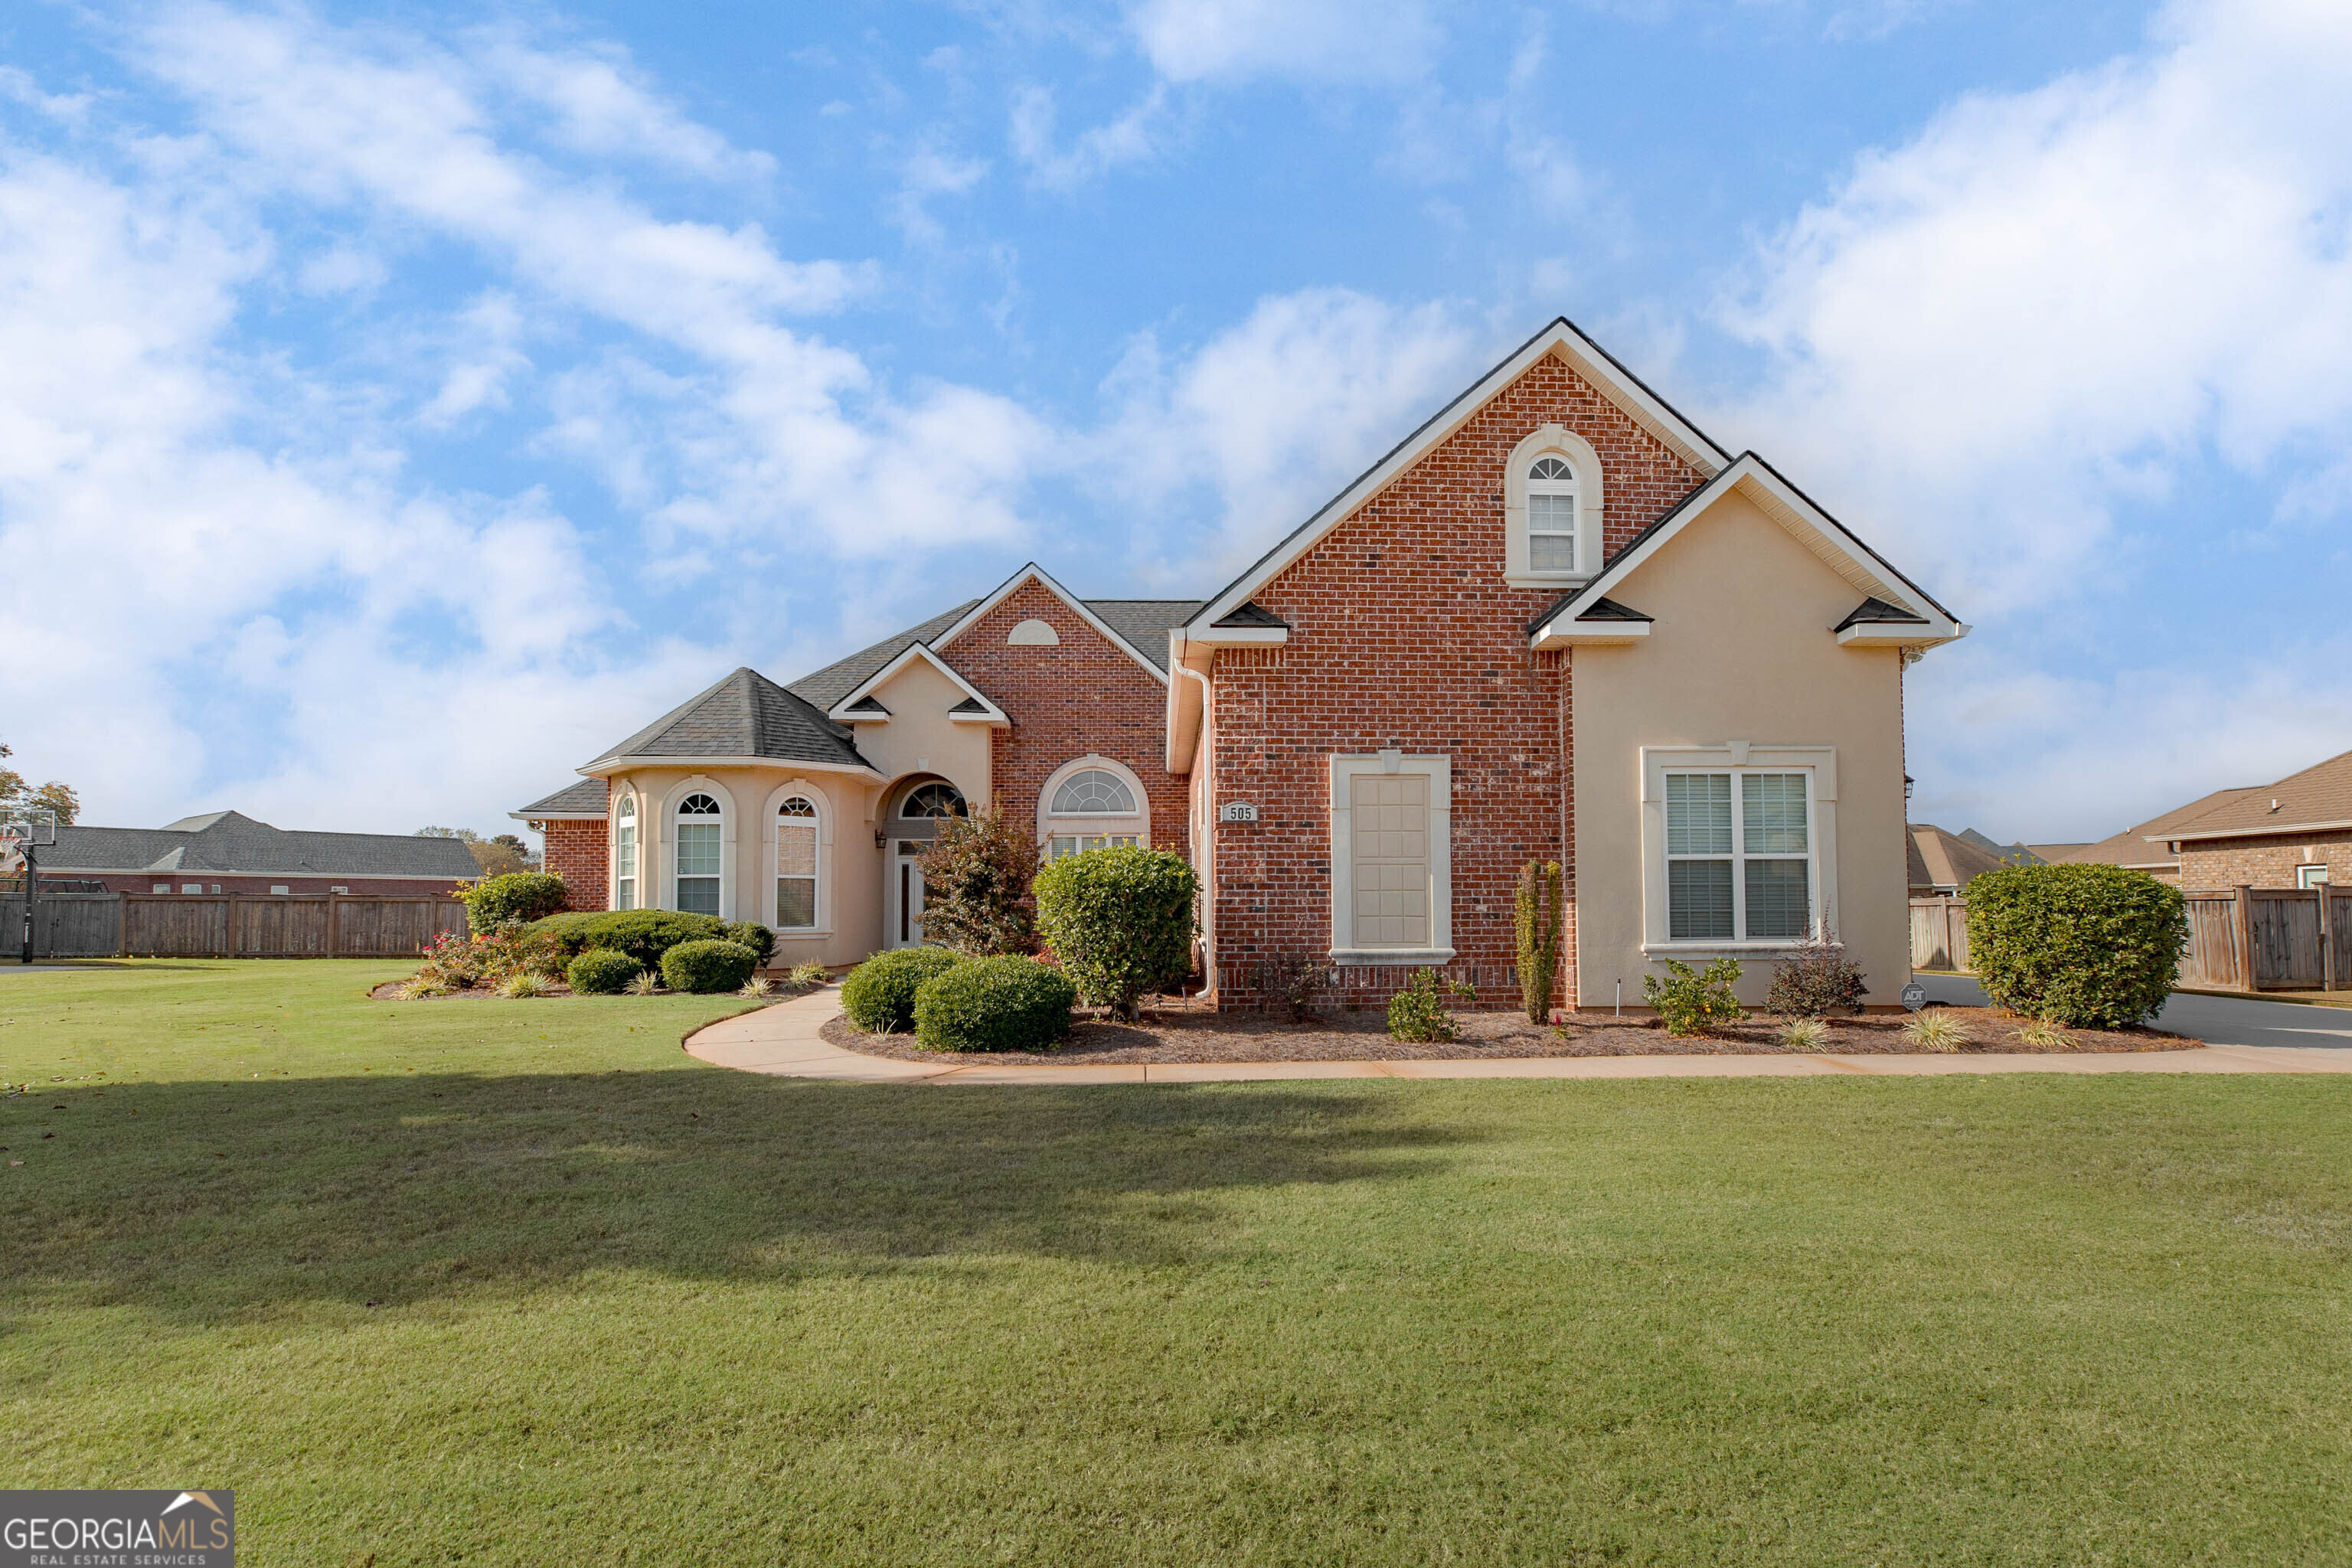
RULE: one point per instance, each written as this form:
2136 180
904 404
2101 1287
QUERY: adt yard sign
1915 996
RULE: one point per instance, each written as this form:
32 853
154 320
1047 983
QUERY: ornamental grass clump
522 984
1119 921
647 984
757 986
808 976
998 1003
1805 1035
2087 946
601 972
1694 1001
1936 1030
1538 916
2045 1035
706 968
879 994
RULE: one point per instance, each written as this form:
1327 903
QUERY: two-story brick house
1557 622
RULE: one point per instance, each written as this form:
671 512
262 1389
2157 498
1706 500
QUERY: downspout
1207 853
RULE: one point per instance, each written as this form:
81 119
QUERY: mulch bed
1177 1033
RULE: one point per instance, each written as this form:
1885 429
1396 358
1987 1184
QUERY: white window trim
770 838
1552 441
666 861
635 875
1341 850
1735 757
1050 825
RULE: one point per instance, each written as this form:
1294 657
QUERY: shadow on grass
199 1201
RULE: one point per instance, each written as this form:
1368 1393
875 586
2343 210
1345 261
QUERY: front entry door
904 903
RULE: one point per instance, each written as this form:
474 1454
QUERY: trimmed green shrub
1693 1002
601 972
755 935
2087 946
1819 981
703 967
1538 918
1119 921
879 994
644 934
1418 1012
1002 1004
493 902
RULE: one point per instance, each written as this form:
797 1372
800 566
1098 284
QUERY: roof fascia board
1613 380
2184 835
1589 634
1830 541
1045 579
840 714
606 767
1240 637
557 815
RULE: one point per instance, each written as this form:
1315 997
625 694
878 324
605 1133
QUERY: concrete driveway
2217 1020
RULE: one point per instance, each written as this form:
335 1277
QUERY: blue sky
398 403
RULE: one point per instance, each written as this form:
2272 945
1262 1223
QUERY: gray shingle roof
580 796
1146 623
230 841
844 675
745 715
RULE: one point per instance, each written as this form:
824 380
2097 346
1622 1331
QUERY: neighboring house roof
2320 796
582 798
2018 854
1946 860
743 715
1599 369
2132 847
229 842
1771 492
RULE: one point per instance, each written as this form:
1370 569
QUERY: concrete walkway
783 1041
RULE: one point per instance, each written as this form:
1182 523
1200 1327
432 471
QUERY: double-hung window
1740 856
796 841
625 857
698 836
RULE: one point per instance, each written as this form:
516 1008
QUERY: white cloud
929 172
1133 137
1311 40
602 107
1273 416
2048 299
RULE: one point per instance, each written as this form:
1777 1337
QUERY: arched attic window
1090 803
700 850
1552 515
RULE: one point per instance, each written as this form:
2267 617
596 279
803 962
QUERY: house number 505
1237 811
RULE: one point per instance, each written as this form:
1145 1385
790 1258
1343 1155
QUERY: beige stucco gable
1740 665
921 735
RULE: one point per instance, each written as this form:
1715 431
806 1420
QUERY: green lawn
518 1282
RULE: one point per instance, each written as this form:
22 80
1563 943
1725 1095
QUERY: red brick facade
1085 695
576 851
2271 861
1404 635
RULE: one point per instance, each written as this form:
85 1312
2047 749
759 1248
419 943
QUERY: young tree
15 794
1539 916
976 879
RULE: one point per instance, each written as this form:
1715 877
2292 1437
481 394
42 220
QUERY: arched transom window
796 847
936 798
1090 803
1552 515
625 855
699 848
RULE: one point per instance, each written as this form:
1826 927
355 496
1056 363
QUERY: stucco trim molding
1341 849
607 767
1656 762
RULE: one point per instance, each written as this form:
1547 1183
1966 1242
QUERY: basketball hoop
24 830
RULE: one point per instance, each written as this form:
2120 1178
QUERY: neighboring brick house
2296 833
228 852
2148 847
1556 623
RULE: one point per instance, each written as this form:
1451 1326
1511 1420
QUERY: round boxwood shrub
601 972
493 902
756 936
1004 1004
703 967
2090 946
879 994
1119 921
644 934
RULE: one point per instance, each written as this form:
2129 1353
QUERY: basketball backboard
34 826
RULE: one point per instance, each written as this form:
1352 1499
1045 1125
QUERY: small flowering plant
491 958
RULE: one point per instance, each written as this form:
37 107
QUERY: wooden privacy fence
228 925
2248 939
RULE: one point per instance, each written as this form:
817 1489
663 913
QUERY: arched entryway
910 820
